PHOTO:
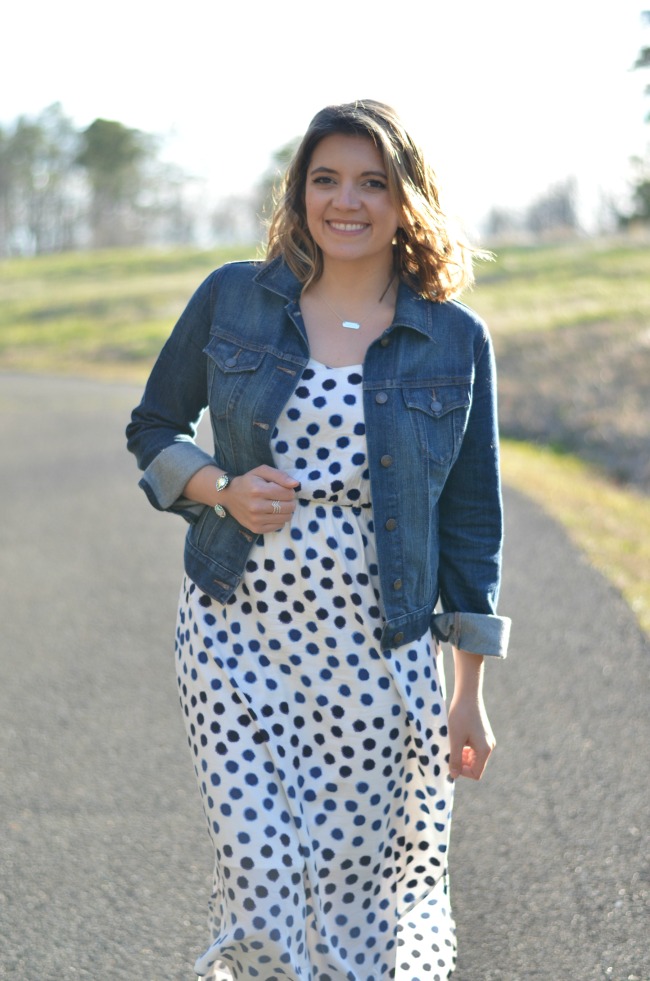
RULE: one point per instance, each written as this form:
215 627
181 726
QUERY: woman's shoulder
463 313
230 276
456 326
457 318
238 270
271 274
472 323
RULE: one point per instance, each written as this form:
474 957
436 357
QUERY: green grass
547 289
609 523
554 287
107 314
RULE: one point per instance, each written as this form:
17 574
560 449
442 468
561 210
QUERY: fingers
471 739
261 494
472 765
264 499
274 476
469 753
469 763
455 764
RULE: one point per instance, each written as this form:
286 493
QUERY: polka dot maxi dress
321 759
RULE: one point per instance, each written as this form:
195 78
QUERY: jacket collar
411 309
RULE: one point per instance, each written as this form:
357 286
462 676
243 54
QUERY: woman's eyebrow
365 173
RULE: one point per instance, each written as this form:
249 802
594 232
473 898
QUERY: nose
347 196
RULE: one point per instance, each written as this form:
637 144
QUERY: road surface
104 859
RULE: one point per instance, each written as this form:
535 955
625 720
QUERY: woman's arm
163 427
470 734
470 517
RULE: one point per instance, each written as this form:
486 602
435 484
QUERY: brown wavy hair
433 259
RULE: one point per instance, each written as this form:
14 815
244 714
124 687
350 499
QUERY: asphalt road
104 860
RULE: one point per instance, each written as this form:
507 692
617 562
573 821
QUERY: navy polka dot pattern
321 760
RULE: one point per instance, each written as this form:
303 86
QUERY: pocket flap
231 357
436 402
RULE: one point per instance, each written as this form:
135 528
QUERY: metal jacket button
231 362
381 398
385 341
398 637
386 460
397 584
436 406
391 524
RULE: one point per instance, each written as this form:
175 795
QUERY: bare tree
234 220
640 212
269 184
555 210
502 223
37 203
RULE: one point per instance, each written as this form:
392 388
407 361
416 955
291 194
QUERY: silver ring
276 507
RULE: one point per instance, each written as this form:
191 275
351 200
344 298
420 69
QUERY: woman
354 485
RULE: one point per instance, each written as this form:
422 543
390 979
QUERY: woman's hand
249 497
470 734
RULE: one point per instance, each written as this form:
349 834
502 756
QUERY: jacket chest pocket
231 368
438 416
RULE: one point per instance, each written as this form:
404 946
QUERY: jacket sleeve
470 515
162 430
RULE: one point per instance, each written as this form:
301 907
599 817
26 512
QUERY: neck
352 282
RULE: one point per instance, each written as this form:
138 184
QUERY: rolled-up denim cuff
166 476
478 633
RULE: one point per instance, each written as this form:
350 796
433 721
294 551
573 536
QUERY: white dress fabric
321 760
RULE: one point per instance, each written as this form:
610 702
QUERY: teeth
345 226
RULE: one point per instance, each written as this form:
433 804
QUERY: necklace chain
356 324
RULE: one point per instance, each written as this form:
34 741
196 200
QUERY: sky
506 97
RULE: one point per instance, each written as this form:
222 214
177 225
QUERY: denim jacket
429 400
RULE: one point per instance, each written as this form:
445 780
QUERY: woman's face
349 209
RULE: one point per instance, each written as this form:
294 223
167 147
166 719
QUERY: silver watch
220 484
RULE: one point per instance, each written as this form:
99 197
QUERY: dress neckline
340 367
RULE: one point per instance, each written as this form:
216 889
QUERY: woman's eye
322 180
377 183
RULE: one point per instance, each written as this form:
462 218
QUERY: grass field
552 287
106 314
611 524
103 313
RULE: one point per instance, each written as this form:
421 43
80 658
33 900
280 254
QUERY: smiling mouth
347 226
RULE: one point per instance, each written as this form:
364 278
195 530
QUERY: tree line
640 211
104 185
556 209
